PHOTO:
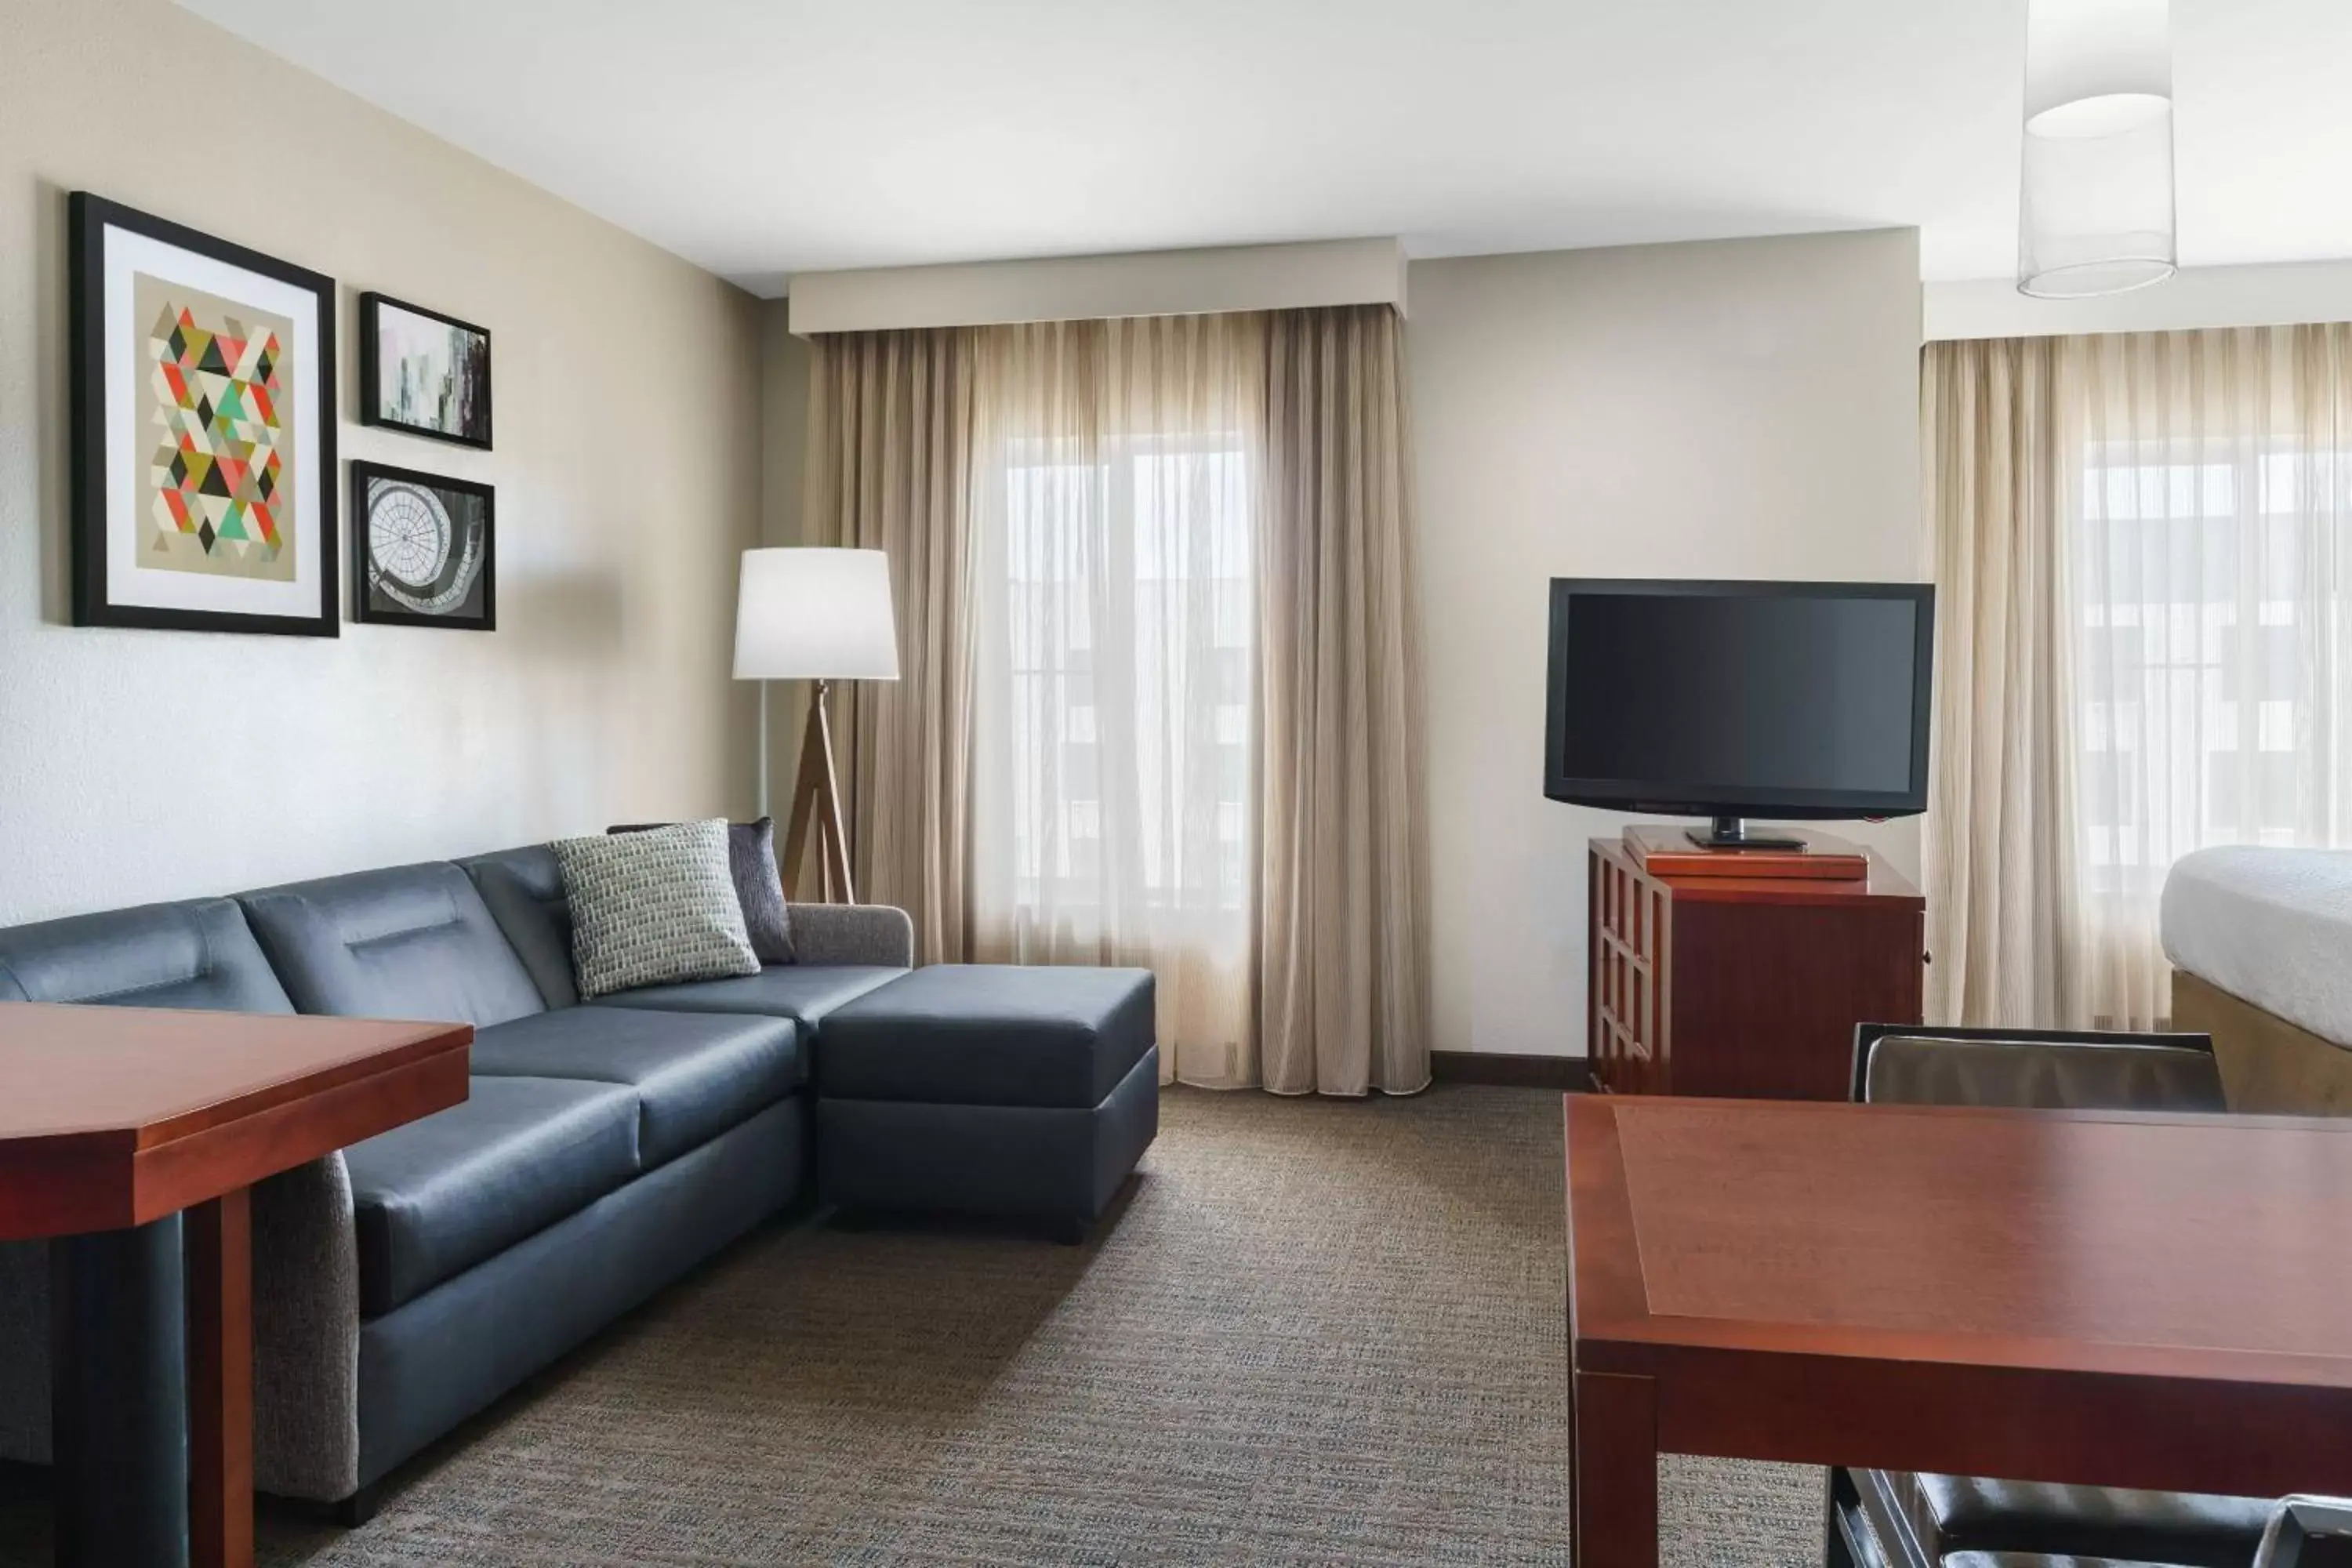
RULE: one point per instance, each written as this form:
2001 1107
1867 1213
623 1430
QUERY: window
1129 612
2207 647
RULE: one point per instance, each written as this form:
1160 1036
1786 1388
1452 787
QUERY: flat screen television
1736 699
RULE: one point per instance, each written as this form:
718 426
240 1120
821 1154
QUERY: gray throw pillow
758 886
652 907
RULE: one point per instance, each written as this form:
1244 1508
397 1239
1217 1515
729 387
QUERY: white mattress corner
2271 926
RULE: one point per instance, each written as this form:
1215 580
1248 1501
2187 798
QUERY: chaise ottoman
994 1090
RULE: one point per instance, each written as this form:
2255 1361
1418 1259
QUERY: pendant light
2095 203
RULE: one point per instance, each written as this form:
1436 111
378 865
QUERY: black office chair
1884 1518
2308 1532
2303 1532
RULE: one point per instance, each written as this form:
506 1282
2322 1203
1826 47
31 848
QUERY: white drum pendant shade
2095 208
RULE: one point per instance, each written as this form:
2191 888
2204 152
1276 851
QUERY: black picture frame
372 412
368 599
87 218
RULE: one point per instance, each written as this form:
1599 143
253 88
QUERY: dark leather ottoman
994 1090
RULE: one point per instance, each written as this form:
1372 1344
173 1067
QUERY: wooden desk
114 1120
2091 1296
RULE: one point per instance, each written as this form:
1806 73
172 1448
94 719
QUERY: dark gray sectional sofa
606 1150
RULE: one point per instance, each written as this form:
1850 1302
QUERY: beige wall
1746 409
138 766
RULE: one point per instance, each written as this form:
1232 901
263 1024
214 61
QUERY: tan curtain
2004 932
1115 622
1160 702
893 418
2144 548
1343 937
2215 541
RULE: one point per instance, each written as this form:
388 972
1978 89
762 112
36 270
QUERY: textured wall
138 766
1748 408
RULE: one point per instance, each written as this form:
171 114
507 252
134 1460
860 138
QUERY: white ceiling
764 137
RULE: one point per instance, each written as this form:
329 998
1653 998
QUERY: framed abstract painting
423 372
202 393
425 550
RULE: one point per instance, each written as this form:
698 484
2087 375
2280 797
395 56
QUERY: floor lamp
818 615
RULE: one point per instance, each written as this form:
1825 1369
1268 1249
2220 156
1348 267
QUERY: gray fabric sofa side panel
200 955
882 935
523 888
409 942
440 1358
306 1334
1018 1162
25 1352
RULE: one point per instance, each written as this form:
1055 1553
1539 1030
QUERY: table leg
118 1398
1613 1471
220 1381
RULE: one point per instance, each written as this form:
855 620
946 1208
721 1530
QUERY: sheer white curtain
1115 513
2183 501
2212 523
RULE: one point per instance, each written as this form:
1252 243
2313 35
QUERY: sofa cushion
989 1033
804 993
410 941
440 1195
696 1074
198 954
652 907
2195 1529
523 890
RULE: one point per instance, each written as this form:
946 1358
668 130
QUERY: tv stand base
1733 832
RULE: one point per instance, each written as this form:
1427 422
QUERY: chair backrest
410 941
199 954
2086 1072
2307 1533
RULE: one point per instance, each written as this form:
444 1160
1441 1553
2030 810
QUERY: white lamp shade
2095 203
815 615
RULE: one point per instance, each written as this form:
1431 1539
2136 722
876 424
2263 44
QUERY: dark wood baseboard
1555 1073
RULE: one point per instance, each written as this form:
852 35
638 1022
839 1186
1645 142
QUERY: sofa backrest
524 891
198 954
409 942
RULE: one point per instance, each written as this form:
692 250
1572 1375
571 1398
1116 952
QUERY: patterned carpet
1318 1332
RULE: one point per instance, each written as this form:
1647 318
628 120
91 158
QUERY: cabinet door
1771 994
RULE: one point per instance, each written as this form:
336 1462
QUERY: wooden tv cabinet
1743 985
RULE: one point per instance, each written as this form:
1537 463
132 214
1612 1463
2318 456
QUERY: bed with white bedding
2260 945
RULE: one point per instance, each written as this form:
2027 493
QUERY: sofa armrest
306 1337
852 933
306 1333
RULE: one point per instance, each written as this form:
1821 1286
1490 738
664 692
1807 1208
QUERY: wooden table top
114 1116
2208 1247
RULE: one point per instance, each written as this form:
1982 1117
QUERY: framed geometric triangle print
202 398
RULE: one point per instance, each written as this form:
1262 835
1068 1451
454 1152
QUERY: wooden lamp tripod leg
817 808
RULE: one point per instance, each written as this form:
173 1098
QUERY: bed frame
2269 1067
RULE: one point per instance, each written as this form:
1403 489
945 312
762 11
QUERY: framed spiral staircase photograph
423 548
